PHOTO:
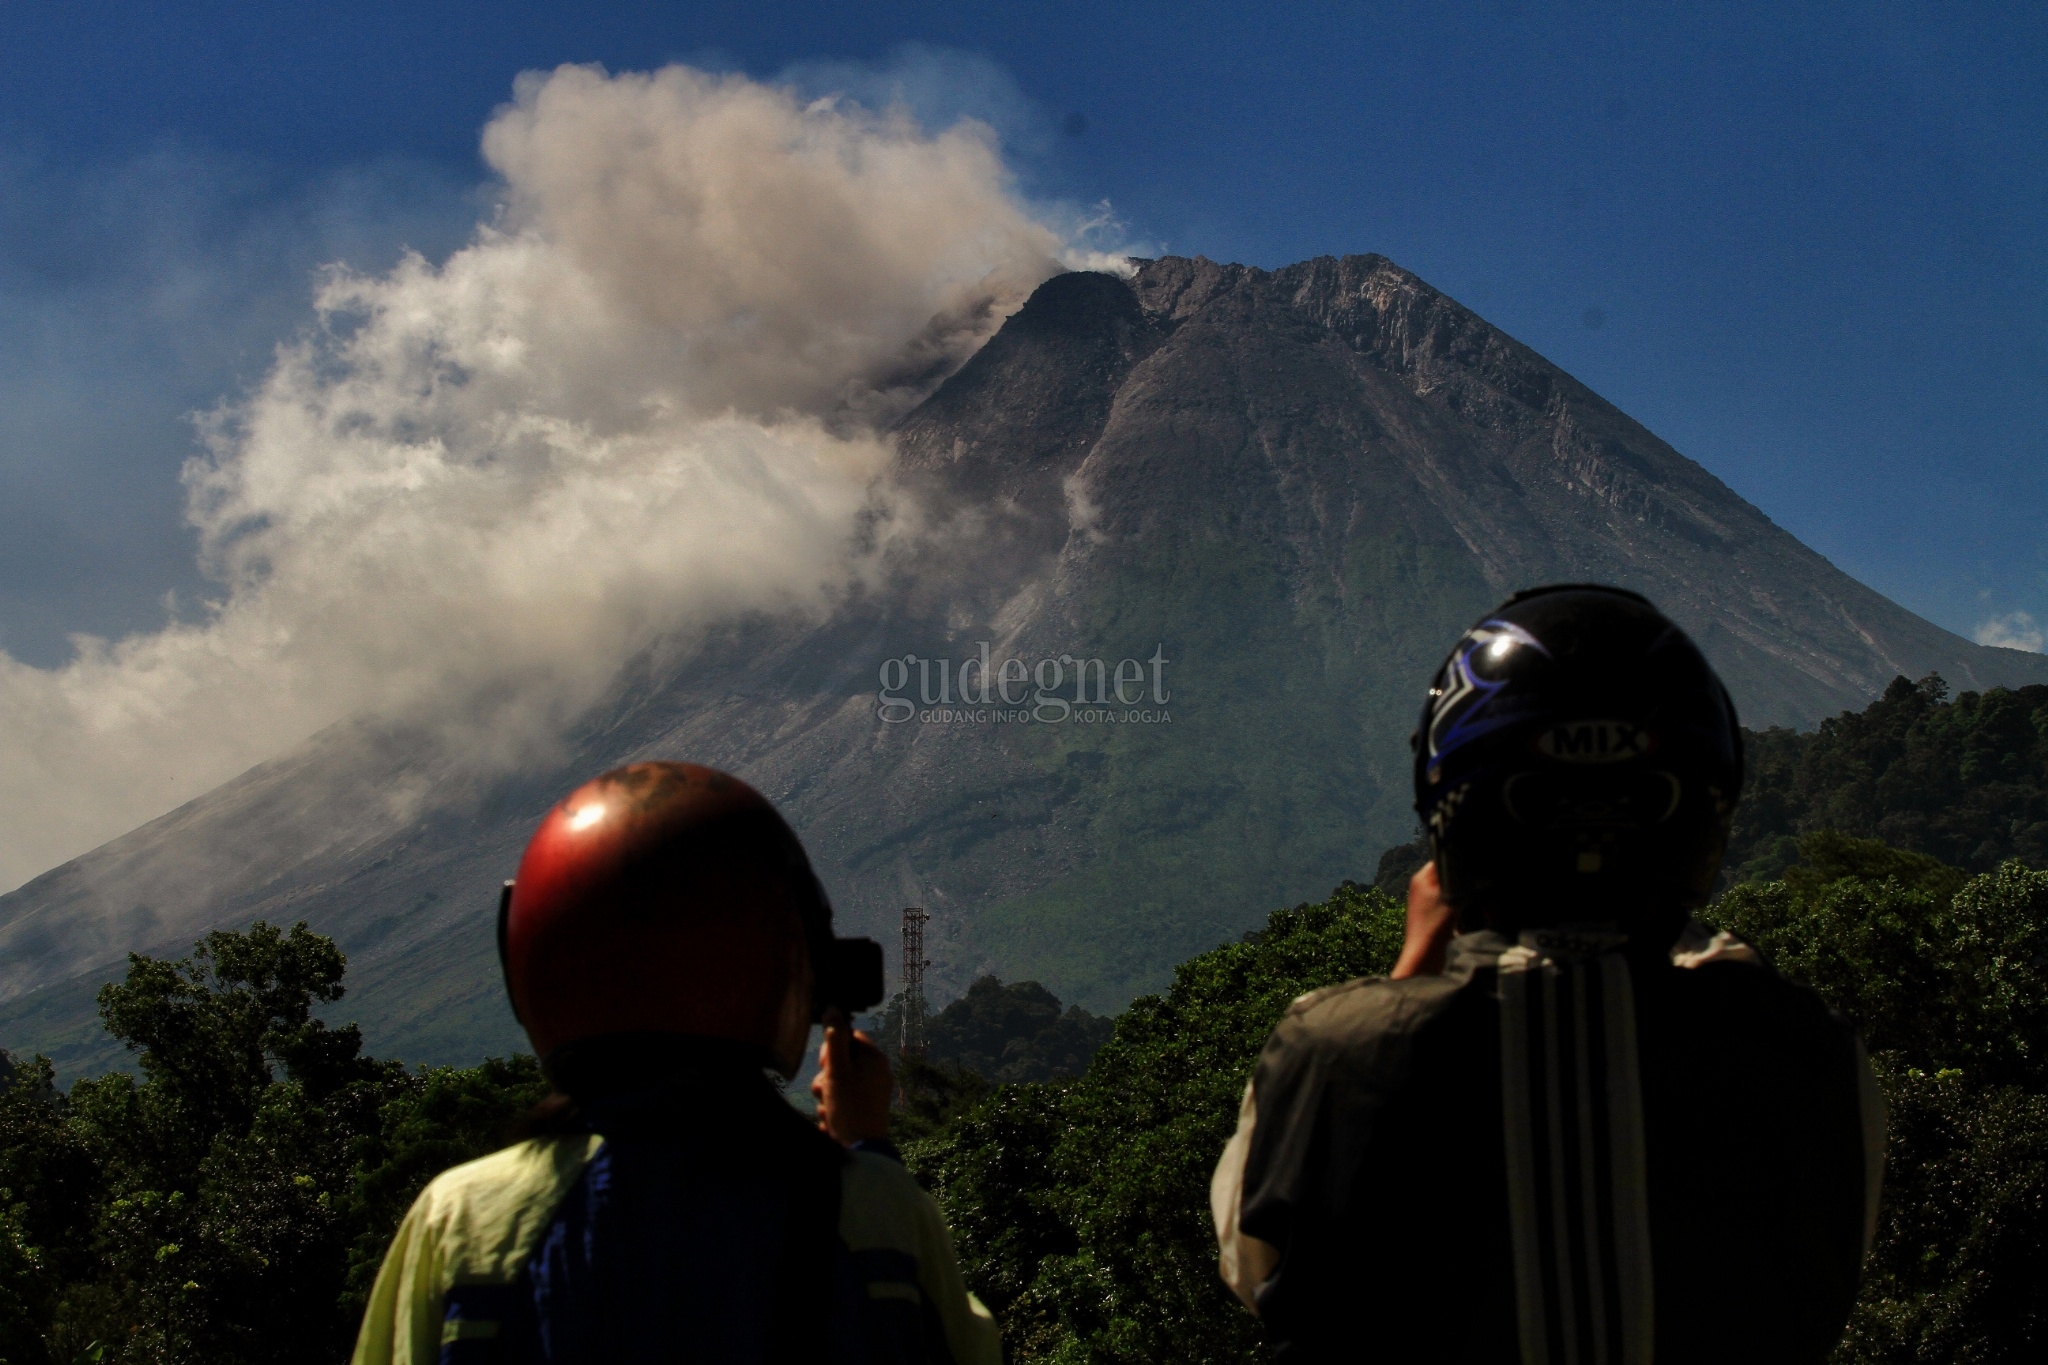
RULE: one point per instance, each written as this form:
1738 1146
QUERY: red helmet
669 898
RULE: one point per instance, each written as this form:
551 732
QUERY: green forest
230 1199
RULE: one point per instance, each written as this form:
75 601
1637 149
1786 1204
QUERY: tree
233 1203
1953 979
994 1033
1083 1206
50 1185
1962 781
1959 1271
1014 1031
1947 978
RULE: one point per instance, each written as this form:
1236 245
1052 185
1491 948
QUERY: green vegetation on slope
1243 800
1963 781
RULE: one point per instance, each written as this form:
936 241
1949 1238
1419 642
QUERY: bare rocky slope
1279 495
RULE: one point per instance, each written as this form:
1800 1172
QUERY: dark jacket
1682 1154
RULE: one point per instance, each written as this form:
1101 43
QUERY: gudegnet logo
1010 691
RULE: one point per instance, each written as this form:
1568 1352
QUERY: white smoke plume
645 396
2014 630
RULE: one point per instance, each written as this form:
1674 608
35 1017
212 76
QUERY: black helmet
1578 761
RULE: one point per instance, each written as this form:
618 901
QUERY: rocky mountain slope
1265 501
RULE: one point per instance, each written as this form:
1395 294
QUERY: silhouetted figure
1583 1129
666 946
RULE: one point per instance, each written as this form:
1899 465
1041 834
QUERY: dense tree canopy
1081 1207
1948 980
1963 781
233 1202
1014 1031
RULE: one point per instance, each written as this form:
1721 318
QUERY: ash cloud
645 396
2014 630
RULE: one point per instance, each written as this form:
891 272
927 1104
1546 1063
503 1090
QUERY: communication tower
911 1043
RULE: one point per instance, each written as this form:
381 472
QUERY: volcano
1192 542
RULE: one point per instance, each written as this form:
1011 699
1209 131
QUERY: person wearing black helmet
1574 1125
666 947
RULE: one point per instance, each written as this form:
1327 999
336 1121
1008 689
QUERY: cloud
643 397
2014 630
938 87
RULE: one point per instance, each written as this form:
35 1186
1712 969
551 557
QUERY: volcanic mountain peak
1339 372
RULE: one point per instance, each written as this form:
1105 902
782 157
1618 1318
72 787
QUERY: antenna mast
911 1043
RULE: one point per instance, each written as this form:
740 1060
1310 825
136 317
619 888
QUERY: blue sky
1806 244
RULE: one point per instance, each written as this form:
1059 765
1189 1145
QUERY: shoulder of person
1727 965
881 1204
490 1208
900 1244
1699 946
536 1161
1366 1003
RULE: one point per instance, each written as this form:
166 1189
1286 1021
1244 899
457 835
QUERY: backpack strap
1578 1200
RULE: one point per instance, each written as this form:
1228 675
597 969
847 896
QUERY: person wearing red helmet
1574 1125
666 945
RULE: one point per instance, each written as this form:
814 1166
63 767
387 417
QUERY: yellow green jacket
644 1245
